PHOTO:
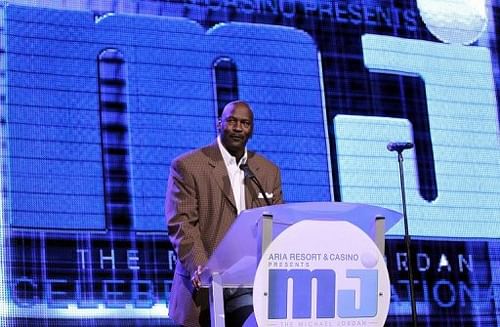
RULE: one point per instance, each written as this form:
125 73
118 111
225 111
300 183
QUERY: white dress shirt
236 175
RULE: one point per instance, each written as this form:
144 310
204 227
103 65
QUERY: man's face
235 128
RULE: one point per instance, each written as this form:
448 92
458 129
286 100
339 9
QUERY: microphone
249 174
399 146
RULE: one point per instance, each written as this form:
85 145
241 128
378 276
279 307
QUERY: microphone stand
407 239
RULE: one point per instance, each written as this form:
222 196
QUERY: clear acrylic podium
235 260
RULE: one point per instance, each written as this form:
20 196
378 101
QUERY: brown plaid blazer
199 210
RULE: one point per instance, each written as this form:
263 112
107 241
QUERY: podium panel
321 273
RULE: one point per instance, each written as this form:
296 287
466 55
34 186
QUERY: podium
234 262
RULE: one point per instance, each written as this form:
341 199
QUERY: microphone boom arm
249 174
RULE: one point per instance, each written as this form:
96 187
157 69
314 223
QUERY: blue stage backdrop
99 96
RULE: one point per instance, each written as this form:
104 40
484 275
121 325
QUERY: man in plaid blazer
206 191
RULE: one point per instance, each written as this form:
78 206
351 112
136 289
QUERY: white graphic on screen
463 126
454 21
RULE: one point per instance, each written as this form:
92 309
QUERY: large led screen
99 96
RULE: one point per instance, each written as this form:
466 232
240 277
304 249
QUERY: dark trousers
238 306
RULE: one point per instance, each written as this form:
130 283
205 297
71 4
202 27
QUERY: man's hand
195 279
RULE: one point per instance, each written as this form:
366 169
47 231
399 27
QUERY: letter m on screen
302 282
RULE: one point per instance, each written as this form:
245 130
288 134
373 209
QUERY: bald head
235 127
238 103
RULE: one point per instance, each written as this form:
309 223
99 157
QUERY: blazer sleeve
181 210
277 190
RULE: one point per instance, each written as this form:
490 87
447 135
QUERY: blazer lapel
250 194
220 174
251 190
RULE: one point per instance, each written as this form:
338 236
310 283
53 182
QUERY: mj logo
303 281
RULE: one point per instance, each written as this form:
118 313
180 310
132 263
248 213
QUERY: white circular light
454 21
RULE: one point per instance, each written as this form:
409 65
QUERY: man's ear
219 125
